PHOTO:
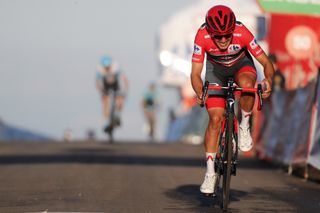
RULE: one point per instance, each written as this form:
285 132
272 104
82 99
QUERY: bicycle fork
220 158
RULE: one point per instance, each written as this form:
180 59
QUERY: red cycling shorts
219 74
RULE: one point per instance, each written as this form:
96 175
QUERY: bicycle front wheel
227 163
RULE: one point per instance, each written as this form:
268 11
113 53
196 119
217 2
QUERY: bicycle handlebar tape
204 92
259 88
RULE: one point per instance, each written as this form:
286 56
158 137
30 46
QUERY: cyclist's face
107 69
222 41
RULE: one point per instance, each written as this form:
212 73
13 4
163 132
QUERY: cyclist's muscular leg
106 113
211 137
105 103
119 102
246 79
212 133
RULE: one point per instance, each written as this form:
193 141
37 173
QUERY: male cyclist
227 44
150 105
110 80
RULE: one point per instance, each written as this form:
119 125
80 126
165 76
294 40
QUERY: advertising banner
291 6
314 155
285 134
294 39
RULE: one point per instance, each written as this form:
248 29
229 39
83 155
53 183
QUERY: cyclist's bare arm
196 80
99 85
126 82
268 72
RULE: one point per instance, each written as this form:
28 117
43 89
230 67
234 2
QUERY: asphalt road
137 178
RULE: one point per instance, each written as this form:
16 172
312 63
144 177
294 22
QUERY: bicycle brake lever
260 91
204 93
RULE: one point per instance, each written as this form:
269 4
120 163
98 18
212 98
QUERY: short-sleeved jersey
110 81
242 41
150 100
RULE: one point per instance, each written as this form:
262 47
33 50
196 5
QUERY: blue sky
48 53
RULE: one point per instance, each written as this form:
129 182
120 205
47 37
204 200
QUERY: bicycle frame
227 159
112 119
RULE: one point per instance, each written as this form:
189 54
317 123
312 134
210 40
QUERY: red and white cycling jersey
242 40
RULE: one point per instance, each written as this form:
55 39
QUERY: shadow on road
89 158
290 198
193 201
106 156
253 163
187 198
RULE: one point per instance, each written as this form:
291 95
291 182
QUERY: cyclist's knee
246 82
215 122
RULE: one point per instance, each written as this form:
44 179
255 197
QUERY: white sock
245 118
210 163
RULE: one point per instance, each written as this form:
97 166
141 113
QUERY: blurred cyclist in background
228 45
279 80
111 81
150 104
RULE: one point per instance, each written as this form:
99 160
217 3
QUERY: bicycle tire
111 135
112 118
227 165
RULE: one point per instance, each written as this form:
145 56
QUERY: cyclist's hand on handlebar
199 99
266 87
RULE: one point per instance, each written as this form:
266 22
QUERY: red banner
295 41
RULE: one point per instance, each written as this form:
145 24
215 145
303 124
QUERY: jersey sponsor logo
207 36
234 48
237 34
213 50
259 51
253 44
197 49
226 60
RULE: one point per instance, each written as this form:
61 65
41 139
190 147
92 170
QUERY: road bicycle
114 119
227 155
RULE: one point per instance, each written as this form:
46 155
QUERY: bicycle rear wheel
112 118
227 164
